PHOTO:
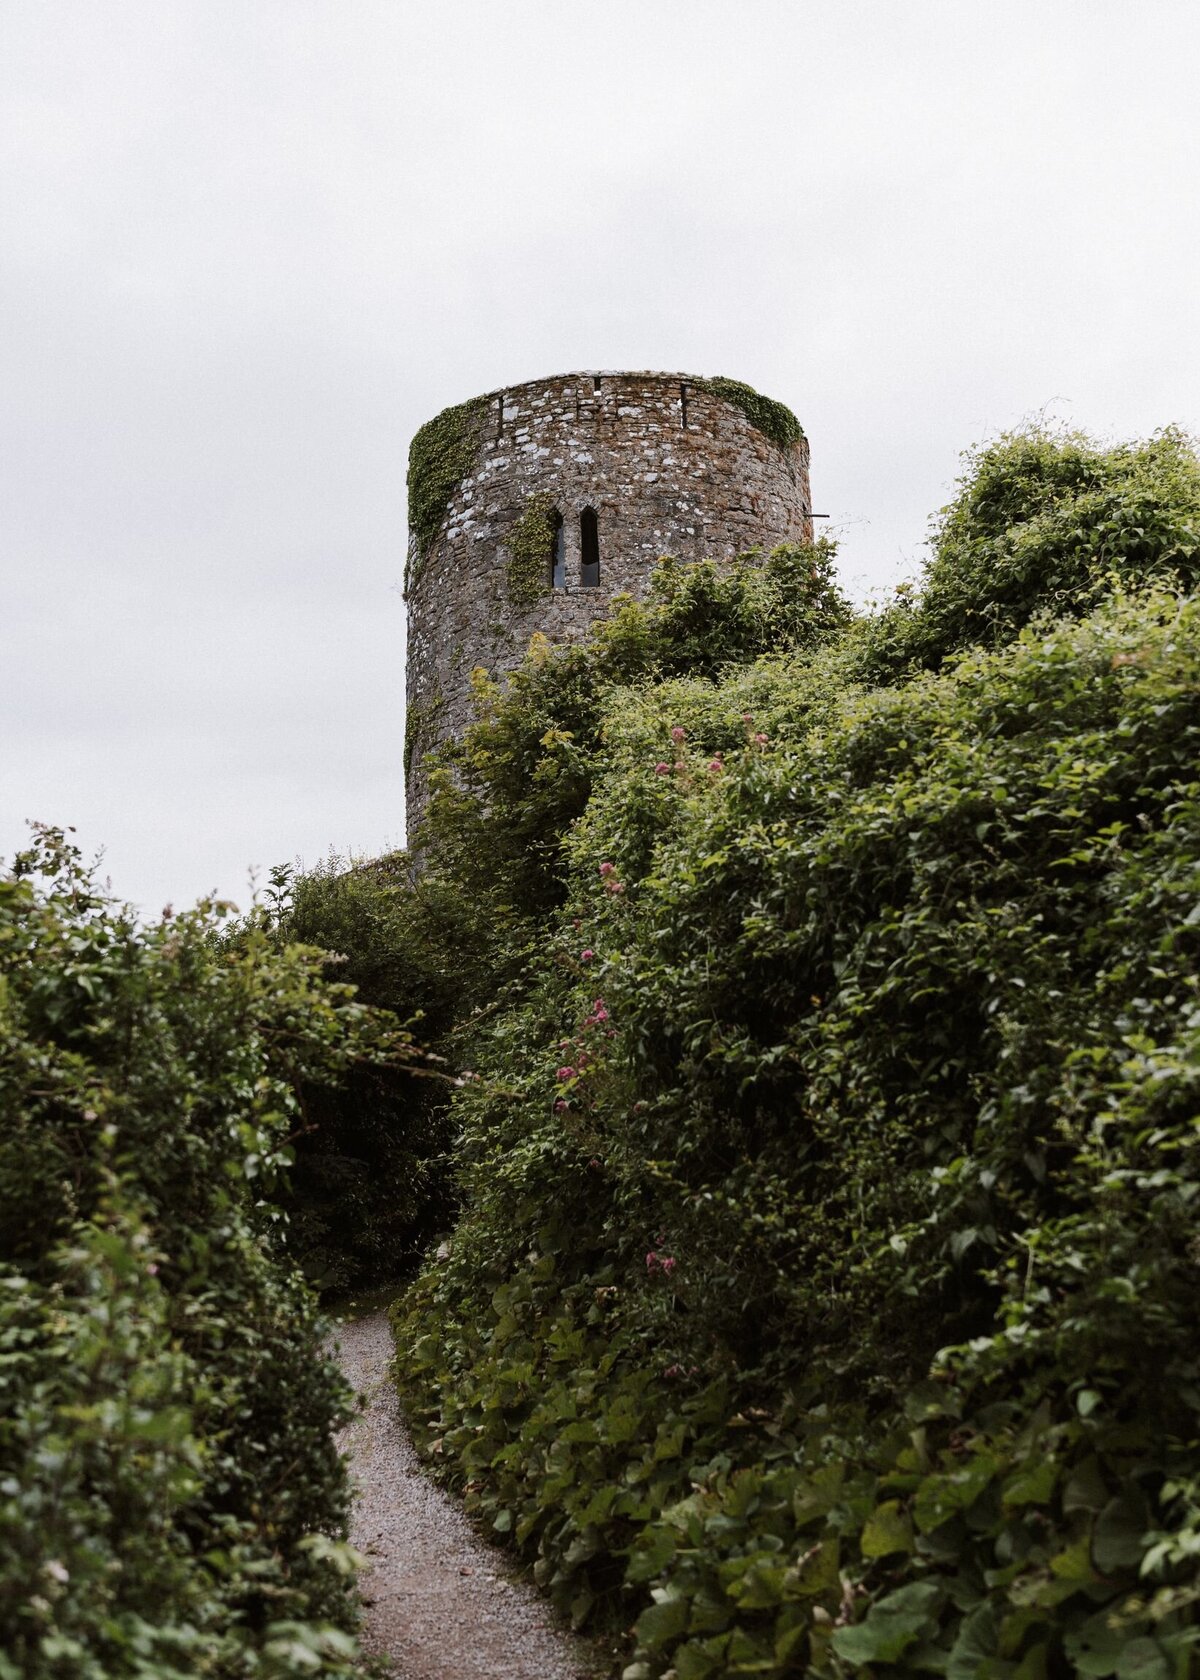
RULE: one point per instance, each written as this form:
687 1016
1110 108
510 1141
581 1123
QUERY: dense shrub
455 938
1043 523
171 1502
507 794
370 1181
823 1294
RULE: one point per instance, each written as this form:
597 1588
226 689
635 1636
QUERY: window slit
683 407
500 414
589 549
558 552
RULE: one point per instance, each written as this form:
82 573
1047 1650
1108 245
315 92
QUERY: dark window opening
595 382
683 406
558 552
500 415
589 549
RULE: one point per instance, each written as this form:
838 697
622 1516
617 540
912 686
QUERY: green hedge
823 1295
171 1502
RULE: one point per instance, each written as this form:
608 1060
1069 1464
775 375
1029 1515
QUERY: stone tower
531 507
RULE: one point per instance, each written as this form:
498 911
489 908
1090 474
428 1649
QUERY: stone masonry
668 468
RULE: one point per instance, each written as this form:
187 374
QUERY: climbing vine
773 419
417 720
439 459
530 546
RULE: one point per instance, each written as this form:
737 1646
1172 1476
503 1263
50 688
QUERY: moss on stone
530 548
416 722
773 419
441 456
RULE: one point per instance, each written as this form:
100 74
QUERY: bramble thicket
814 1182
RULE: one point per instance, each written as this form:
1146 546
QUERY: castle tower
531 507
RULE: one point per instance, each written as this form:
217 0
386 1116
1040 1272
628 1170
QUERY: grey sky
246 249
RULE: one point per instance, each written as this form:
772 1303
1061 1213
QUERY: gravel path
440 1603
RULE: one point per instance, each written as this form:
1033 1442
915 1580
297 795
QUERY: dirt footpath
440 1603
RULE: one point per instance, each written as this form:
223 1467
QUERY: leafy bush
1044 523
370 1182
171 1501
823 1294
507 794
439 944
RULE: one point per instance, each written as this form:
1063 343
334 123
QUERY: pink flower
561 1106
599 1013
747 717
668 1263
586 956
614 887
662 769
652 1261
678 734
608 868
760 740
152 1269
565 1073
716 765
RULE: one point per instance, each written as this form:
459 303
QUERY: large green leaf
892 1625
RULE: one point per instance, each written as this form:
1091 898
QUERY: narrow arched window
558 552
589 549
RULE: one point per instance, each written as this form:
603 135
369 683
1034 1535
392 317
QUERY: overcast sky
248 246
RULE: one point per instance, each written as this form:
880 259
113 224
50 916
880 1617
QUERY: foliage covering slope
823 1290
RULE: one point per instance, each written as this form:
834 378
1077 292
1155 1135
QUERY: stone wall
669 468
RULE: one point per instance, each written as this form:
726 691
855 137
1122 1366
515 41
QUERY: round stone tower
531 507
